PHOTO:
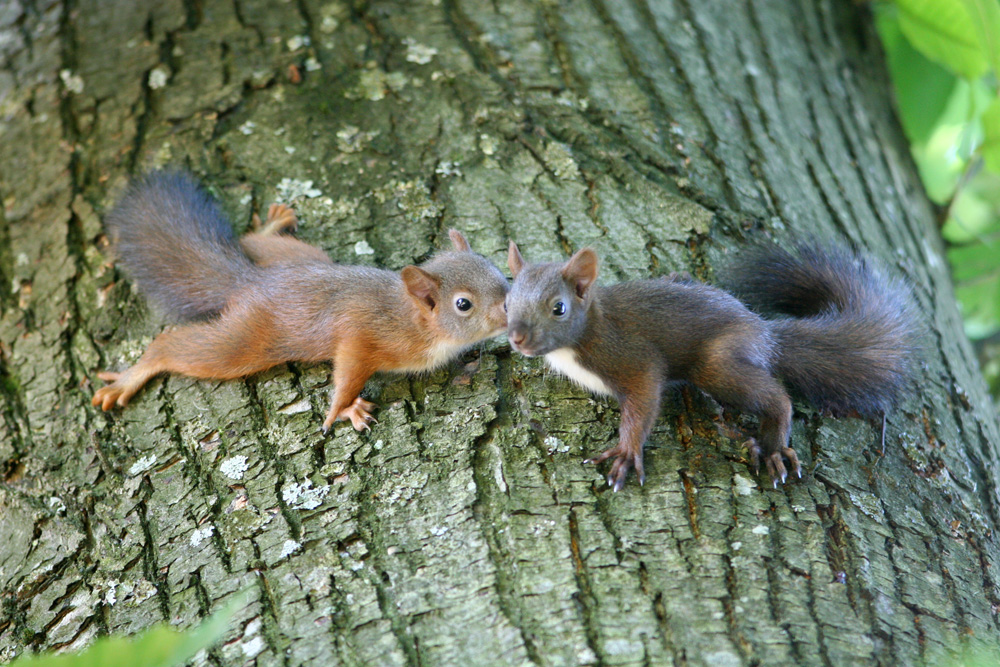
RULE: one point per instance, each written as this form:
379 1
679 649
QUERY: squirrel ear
422 286
459 241
514 260
581 271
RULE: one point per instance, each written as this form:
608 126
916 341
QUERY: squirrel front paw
116 393
359 412
774 461
626 458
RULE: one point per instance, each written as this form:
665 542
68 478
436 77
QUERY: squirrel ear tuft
581 271
423 287
514 260
459 241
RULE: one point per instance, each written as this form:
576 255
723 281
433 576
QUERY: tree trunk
465 529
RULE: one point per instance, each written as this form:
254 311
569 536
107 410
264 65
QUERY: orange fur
296 305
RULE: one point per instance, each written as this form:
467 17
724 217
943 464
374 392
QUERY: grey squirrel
266 298
843 338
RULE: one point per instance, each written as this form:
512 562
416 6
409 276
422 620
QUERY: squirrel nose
518 333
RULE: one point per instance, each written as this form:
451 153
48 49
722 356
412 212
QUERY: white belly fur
564 361
440 354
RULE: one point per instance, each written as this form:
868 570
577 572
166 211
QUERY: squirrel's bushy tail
848 343
177 246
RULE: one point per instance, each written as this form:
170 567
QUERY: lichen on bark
464 529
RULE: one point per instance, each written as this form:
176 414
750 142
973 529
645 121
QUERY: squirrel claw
357 412
117 392
624 461
776 465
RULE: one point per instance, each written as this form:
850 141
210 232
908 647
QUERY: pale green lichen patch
418 53
559 159
350 139
302 496
362 247
374 83
290 189
743 486
234 467
142 465
202 534
869 504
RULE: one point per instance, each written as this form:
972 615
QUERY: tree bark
465 529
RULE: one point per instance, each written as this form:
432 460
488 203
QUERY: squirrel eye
559 309
505 305
463 304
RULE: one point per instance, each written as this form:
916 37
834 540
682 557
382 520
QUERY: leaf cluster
944 59
160 646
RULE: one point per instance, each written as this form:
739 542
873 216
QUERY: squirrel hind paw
625 461
280 218
776 465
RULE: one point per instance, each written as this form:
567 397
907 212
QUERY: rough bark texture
465 529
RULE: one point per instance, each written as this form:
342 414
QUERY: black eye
559 309
463 304
505 305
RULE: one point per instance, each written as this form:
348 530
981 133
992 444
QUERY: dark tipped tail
850 338
177 246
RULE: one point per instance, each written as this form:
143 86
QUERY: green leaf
944 31
922 87
972 262
944 157
990 148
158 647
976 269
975 211
985 16
980 308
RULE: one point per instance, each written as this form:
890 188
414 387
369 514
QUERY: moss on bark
465 529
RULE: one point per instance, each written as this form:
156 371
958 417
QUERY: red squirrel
267 298
844 339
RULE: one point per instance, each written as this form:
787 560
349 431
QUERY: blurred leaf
980 307
976 269
989 359
975 212
157 647
922 87
943 157
990 148
985 15
975 261
939 163
944 31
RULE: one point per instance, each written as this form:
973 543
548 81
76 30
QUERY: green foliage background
160 646
944 57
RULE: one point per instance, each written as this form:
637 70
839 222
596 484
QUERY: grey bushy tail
848 336
177 246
